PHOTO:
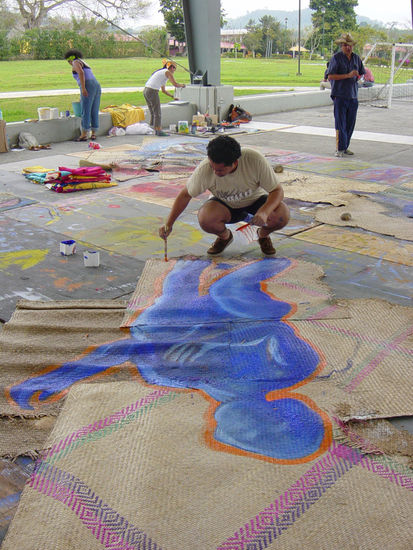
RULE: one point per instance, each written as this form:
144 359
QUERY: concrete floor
382 137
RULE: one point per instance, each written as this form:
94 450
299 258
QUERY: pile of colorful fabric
68 180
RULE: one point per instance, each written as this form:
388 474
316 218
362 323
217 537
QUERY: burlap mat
131 467
24 436
369 215
318 188
367 360
360 242
298 283
38 339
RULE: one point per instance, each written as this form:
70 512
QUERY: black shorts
239 214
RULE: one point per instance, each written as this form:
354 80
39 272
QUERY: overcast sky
387 12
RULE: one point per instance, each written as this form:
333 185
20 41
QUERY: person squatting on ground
157 82
90 93
344 70
242 182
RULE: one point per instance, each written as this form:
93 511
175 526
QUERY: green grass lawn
114 73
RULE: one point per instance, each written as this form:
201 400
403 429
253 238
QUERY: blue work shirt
341 64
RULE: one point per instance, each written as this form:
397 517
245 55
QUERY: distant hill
292 16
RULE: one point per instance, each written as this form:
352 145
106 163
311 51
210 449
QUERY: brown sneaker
220 244
266 245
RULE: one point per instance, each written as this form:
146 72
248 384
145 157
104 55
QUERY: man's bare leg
276 220
213 217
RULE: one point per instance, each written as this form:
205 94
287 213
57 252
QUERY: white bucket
67 248
43 113
91 258
54 112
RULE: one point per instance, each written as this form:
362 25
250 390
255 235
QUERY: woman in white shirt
157 82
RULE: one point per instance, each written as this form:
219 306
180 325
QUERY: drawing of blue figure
232 343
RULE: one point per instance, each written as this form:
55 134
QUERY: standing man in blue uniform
344 70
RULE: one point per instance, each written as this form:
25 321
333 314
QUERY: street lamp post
285 34
323 10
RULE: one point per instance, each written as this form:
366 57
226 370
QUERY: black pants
239 214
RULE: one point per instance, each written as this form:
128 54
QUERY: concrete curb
54 131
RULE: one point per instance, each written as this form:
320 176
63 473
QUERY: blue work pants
345 113
90 105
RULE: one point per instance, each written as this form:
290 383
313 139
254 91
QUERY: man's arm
179 205
273 201
351 74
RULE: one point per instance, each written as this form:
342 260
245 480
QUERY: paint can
183 127
91 258
67 248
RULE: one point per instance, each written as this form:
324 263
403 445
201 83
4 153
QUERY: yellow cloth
31 169
88 185
91 185
124 115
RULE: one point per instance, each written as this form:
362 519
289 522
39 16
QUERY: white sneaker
339 154
348 152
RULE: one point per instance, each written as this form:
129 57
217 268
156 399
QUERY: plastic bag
139 128
27 140
116 131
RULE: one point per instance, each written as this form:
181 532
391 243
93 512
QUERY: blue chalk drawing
232 343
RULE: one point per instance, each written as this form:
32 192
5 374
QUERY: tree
82 25
237 46
34 12
339 16
312 41
9 20
365 34
405 36
155 40
270 32
253 39
266 36
173 14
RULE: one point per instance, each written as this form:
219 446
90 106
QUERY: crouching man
242 182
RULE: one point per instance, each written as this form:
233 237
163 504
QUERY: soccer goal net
392 68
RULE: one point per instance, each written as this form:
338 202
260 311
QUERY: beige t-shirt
253 178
